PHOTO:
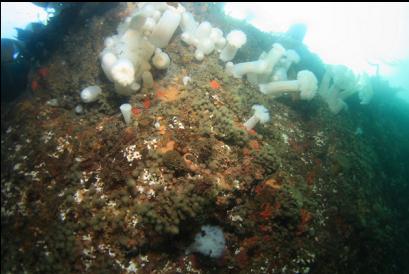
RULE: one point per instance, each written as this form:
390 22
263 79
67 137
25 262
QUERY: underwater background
175 138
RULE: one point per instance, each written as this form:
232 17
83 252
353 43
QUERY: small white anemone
199 55
126 110
186 80
161 59
261 115
147 79
90 94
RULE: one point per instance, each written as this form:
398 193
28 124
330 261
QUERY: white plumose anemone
235 40
161 59
306 84
123 72
261 115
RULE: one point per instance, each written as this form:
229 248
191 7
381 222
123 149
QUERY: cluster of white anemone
340 83
129 55
139 44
